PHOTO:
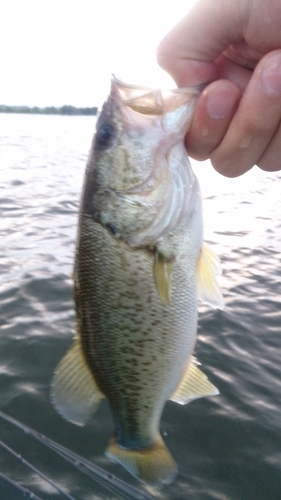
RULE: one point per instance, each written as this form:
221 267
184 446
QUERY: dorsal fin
208 267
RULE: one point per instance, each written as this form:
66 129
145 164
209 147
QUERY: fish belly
136 346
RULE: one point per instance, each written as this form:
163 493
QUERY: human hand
236 45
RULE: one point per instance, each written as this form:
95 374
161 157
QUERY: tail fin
153 465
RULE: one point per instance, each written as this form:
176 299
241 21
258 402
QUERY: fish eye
104 134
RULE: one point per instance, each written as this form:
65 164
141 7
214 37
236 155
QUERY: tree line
49 110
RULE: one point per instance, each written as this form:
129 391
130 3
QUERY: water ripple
227 447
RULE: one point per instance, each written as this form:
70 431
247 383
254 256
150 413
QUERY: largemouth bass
139 270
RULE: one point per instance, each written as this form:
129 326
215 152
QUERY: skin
234 47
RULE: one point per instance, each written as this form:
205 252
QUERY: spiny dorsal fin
163 277
74 391
193 385
208 267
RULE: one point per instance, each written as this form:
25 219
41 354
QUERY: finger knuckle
256 125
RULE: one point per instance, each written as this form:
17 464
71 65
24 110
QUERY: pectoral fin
74 391
208 267
163 277
193 385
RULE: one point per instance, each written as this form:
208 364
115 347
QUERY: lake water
227 447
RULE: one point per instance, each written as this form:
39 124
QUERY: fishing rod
26 493
115 485
37 471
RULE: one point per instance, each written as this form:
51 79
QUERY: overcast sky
56 52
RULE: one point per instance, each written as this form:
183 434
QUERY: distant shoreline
49 110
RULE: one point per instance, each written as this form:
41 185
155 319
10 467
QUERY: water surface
228 447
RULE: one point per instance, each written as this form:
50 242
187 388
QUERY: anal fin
193 385
74 391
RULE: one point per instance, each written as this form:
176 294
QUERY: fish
140 267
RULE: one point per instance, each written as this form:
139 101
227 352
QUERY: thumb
189 50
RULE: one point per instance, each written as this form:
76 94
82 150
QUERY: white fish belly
137 347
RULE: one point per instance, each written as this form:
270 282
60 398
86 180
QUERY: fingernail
271 75
220 104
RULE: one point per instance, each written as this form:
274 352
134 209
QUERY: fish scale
106 304
138 386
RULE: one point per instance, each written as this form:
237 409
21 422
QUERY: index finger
255 123
189 50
